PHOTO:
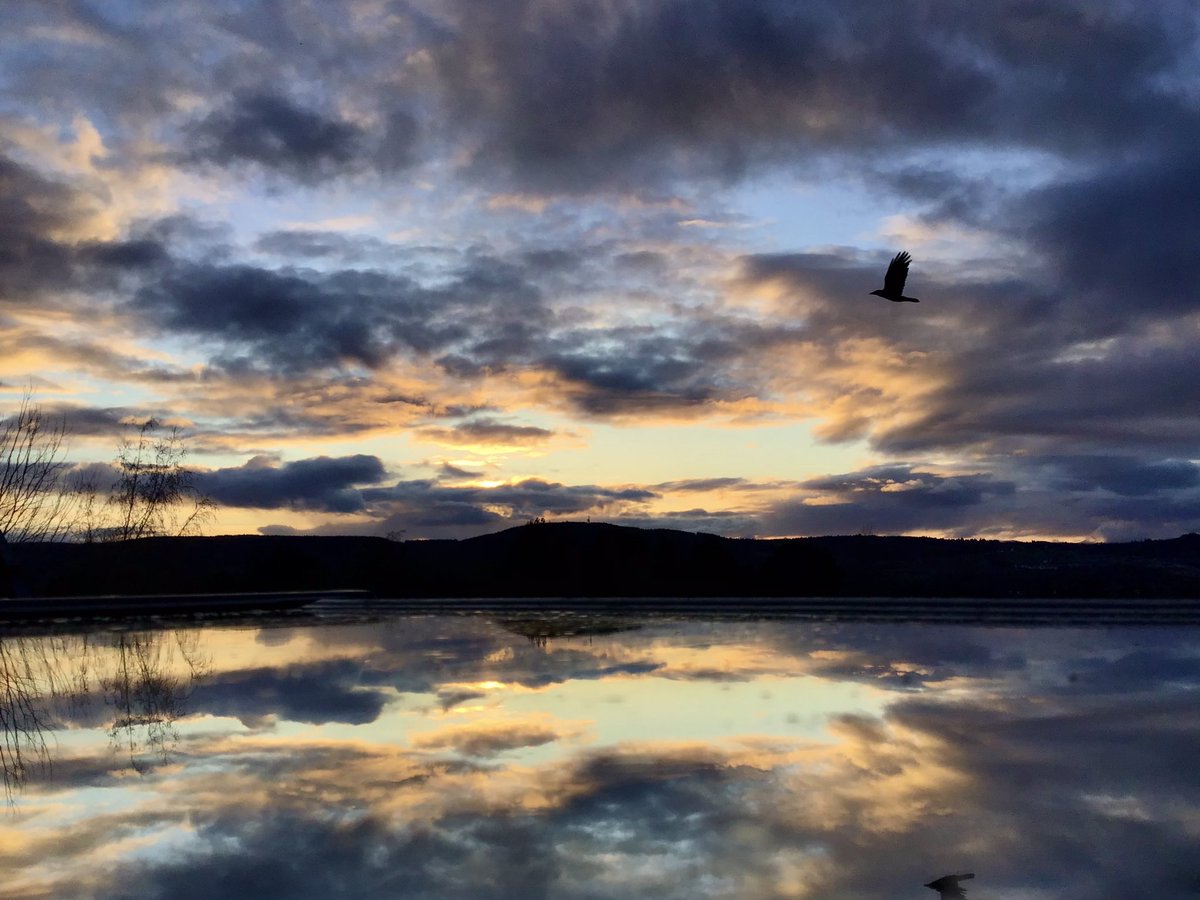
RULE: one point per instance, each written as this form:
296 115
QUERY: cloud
321 483
487 431
33 209
568 97
923 488
1122 267
890 499
1103 497
702 484
275 133
296 321
1120 498
313 244
567 107
572 97
314 693
1126 476
486 740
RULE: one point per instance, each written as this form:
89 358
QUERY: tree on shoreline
155 493
35 504
45 498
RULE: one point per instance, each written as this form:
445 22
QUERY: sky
432 269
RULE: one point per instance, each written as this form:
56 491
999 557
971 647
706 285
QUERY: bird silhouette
893 281
948 886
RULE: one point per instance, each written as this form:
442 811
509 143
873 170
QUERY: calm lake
566 756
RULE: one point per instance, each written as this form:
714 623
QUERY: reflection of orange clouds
740 662
488 738
243 649
877 778
777 799
892 775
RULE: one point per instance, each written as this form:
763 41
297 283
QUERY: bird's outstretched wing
949 886
897 274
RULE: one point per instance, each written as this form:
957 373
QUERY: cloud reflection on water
432 757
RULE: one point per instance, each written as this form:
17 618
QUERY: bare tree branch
35 503
155 493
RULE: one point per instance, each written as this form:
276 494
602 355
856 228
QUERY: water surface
576 756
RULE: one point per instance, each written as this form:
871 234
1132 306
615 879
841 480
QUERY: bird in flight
948 886
893 281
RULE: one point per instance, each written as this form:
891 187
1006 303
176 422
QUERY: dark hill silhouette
596 560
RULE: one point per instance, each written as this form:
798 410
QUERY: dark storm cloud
681 367
892 498
39 265
32 208
485 315
571 96
1011 362
1123 240
651 374
1124 475
1137 399
925 488
275 133
132 254
83 420
1111 498
322 483
296 320
576 95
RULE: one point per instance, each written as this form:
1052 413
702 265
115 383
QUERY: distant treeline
595 560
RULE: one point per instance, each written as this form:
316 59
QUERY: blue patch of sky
782 214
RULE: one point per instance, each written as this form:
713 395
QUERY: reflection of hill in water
541 628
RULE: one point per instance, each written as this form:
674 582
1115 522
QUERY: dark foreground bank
596 560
